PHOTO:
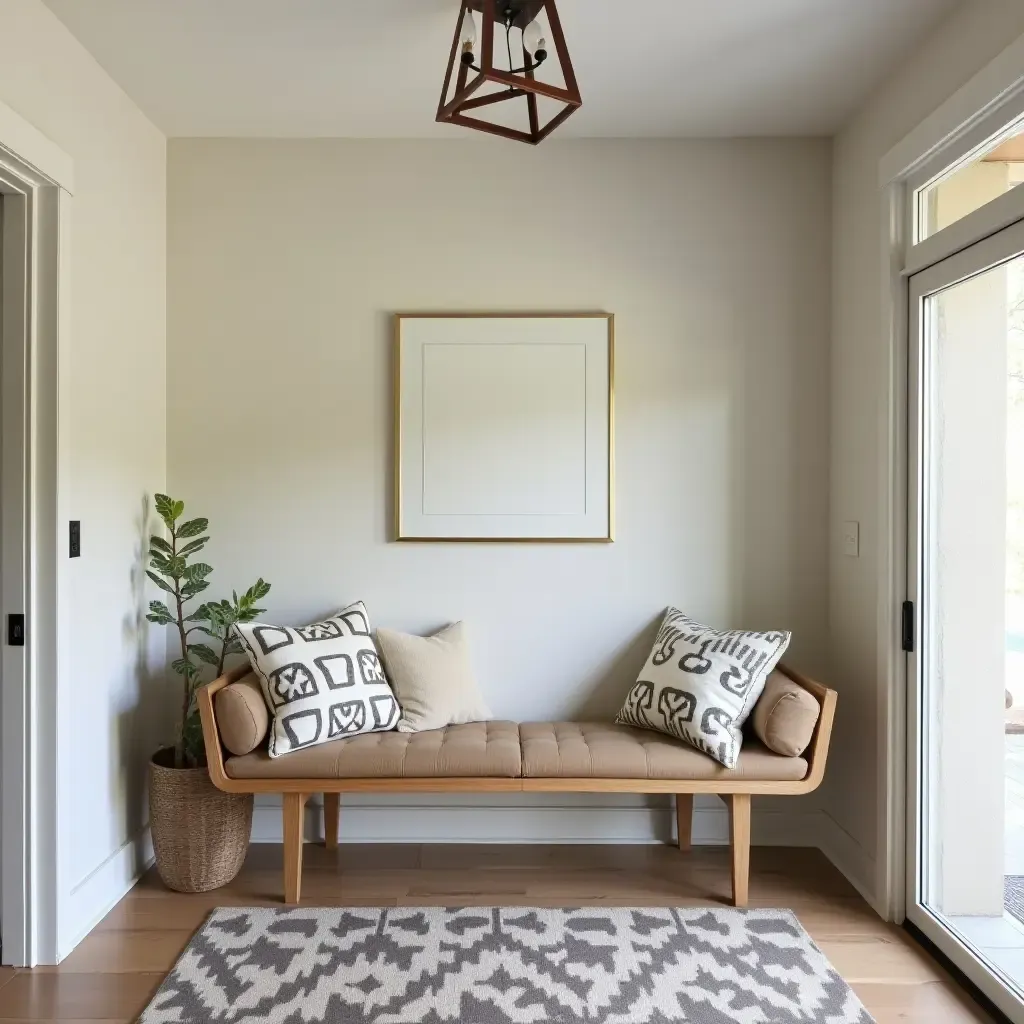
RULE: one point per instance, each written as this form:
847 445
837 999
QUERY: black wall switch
75 539
16 630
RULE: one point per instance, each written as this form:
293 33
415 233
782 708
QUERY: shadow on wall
144 706
607 690
779 448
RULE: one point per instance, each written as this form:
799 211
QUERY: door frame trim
35 343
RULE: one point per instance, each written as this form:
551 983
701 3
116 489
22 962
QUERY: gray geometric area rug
1013 896
485 965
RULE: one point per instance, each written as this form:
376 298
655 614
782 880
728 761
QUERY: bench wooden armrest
817 753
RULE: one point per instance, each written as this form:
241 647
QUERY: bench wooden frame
736 793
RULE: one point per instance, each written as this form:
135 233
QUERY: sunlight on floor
1001 940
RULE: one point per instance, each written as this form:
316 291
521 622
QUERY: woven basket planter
200 834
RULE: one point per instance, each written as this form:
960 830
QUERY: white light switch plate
851 539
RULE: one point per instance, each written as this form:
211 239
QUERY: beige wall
961 46
285 261
117 439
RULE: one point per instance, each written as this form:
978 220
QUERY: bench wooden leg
739 841
294 813
332 808
684 820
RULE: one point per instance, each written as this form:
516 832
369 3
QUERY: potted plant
200 834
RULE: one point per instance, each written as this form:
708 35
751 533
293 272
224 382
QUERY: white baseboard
98 893
535 819
850 859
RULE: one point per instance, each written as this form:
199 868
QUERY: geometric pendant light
506 53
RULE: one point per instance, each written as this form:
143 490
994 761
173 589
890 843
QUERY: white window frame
977 259
993 128
962 126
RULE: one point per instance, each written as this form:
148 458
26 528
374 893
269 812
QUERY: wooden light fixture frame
526 85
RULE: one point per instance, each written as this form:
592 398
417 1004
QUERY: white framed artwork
504 427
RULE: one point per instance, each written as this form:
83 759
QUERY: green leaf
190 590
173 567
164 509
204 653
197 571
193 527
177 509
159 582
201 614
160 563
193 546
159 613
250 614
185 668
160 544
220 613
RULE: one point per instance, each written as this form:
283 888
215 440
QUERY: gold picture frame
401 534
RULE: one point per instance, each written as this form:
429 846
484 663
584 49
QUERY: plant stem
179 745
223 651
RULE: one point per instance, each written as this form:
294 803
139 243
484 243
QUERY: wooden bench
554 757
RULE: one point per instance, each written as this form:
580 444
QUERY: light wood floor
112 974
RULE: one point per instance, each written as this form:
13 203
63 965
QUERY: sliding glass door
966 621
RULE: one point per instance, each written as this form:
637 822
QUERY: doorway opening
30 316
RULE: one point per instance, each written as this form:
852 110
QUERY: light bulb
534 42
468 38
468 30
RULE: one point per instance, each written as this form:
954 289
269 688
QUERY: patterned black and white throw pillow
321 682
700 684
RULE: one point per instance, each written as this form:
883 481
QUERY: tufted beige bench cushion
599 750
477 750
537 750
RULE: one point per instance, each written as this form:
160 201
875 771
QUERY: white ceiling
374 68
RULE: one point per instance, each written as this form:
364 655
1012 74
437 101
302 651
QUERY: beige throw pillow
785 715
432 678
242 716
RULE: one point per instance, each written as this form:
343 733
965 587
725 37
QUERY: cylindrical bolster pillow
785 716
242 717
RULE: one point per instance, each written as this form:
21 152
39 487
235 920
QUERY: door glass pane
972 642
971 185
